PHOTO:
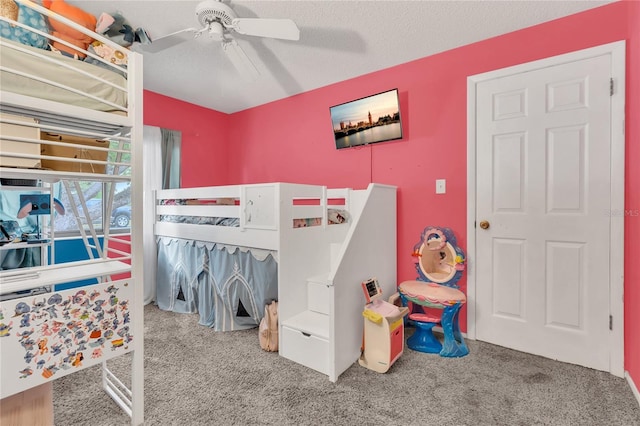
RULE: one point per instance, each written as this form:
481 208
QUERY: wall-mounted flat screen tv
364 121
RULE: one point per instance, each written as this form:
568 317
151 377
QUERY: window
96 197
107 203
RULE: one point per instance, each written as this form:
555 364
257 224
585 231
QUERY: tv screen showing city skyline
367 120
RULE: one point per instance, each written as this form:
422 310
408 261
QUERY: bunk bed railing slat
64 87
199 210
74 117
206 192
258 238
34 53
306 212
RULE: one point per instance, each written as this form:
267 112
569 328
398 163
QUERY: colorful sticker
62 331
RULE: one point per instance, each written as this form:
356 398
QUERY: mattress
201 220
334 216
30 64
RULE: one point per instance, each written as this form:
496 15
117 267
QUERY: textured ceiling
338 40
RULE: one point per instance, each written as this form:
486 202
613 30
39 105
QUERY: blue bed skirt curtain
227 286
20 258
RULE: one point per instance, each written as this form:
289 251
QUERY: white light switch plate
441 186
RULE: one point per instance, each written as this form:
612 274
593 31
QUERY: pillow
31 18
116 57
67 33
108 53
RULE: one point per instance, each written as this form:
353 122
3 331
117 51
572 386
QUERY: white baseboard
633 386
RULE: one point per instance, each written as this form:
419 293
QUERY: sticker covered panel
50 335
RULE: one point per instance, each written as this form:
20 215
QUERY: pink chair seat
424 318
431 294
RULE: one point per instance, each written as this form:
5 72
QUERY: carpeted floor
195 376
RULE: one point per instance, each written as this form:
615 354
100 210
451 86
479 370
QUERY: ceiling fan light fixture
209 11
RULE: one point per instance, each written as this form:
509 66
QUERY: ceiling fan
219 21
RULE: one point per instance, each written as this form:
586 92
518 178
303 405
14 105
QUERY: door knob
485 224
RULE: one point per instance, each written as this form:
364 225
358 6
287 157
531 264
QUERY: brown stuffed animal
9 9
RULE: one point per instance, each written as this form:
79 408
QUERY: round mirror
440 260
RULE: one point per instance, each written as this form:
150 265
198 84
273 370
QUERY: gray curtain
228 287
152 181
170 151
20 258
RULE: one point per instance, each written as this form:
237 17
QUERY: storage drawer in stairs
305 348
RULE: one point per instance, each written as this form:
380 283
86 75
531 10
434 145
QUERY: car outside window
94 194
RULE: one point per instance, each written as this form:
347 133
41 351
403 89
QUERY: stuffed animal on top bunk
9 9
116 28
334 216
65 32
24 15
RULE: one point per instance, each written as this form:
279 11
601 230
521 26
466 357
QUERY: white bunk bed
321 258
48 335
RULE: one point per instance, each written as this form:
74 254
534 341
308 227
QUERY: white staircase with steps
321 319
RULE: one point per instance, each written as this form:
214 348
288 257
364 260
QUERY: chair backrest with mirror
439 259
440 264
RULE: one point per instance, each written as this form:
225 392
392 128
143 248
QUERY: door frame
616 276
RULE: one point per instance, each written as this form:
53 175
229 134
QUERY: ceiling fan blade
169 40
274 28
240 59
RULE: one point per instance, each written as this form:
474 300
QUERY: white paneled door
543 193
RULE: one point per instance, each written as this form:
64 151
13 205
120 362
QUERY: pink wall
204 138
632 194
291 140
433 105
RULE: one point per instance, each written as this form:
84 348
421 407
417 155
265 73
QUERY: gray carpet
195 376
